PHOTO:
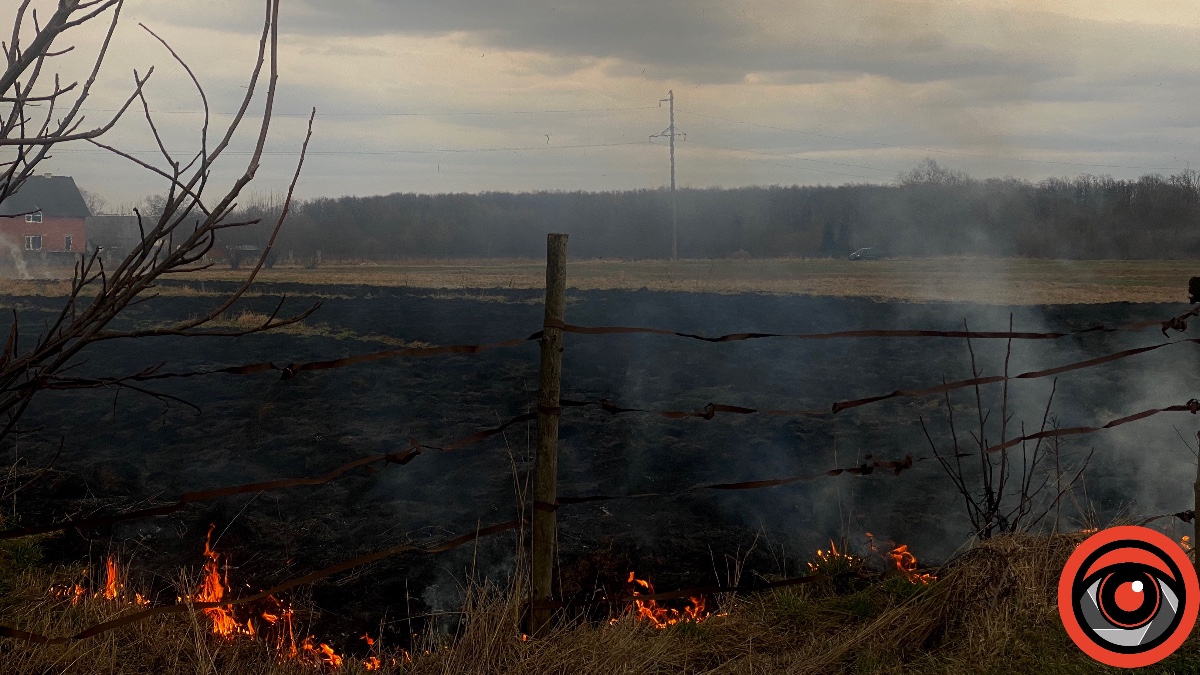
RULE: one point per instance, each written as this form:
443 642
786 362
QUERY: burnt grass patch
123 450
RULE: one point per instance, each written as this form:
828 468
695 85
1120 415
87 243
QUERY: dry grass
247 320
59 288
992 611
1003 281
1006 281
38 288
171 644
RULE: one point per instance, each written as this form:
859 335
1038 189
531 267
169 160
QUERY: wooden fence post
545 466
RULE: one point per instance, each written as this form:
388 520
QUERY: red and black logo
1128 596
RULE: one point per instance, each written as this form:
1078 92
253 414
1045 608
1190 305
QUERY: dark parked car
867 254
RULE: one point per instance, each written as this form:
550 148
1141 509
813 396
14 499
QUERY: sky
521 95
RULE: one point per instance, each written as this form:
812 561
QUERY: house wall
53 231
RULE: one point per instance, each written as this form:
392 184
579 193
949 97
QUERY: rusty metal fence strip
1178 323
402 458
868 467
993 379
707 413
291 370
286 372
1192 406
184 500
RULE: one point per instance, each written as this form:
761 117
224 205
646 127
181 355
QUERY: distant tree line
930 210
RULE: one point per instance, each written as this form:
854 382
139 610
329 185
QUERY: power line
396 114
790 166
920 149
802 159
437 151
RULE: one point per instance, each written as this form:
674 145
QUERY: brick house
51 225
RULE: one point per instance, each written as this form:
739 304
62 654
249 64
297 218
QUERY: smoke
324 419
1142 468
17 254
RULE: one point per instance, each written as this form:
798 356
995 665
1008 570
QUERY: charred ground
260 427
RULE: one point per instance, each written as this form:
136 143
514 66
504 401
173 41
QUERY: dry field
996 281
1001 281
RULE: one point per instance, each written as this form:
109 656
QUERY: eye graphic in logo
1128 596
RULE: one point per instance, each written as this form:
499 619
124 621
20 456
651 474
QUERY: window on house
68 241
33 242
33 217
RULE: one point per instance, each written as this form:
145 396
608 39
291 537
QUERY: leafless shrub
1006 492
176 239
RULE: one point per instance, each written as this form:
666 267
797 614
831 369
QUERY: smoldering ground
118 454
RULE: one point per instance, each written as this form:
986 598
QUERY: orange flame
660 617
269 619
834 559
112 589
907 563
1186 543
212 589
112 586
372 662
307 651
225 624
326 654
74 592
904 561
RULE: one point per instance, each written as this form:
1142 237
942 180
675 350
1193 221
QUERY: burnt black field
124 450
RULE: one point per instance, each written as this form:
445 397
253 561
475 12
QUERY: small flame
73 592
214 585
833 560
322 654
268 619
372 662
112 585
1186 543
906 562
112 589
328 656
212 589
660 617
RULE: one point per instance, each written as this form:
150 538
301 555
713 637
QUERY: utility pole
670 132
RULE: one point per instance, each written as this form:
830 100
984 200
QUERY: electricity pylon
671 132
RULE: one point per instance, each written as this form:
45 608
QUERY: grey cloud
984 81
720 42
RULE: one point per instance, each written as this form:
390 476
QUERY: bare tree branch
176 240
